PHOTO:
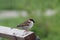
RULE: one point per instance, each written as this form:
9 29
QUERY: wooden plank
16 34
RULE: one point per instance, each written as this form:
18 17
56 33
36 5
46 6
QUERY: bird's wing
26 23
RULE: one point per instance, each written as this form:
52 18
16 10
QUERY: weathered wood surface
16 34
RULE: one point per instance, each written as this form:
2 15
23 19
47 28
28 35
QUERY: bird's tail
18 26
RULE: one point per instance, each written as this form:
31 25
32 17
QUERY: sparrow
27 25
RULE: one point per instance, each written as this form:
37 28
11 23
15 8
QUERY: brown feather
26 23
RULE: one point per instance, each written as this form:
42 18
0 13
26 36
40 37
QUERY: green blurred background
45 12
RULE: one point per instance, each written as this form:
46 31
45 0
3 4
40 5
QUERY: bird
27 25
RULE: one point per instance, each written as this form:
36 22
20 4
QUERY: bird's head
32 20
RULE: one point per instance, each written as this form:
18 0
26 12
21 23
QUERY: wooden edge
31 37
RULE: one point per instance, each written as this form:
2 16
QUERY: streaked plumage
27 24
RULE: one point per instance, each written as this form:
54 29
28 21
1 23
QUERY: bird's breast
31 25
